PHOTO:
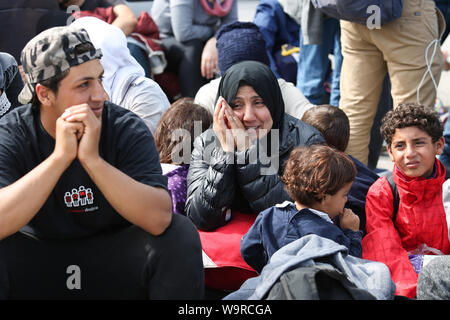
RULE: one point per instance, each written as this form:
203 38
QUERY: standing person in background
400 48
187 29
319 37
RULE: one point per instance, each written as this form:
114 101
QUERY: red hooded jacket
420 220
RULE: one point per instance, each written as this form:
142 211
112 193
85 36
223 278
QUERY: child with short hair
332 122
174 139
414 137
318 179
334 125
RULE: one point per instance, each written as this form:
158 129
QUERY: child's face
333 205
414 152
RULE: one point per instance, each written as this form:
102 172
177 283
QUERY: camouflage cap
52 52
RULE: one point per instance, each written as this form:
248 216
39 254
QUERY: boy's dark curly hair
411 115
314 171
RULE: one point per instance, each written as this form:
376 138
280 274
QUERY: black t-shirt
76 207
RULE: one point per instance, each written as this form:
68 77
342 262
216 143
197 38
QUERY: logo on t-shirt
78 198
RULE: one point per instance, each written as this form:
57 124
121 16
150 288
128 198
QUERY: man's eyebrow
91 78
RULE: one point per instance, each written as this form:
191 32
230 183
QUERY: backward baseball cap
52 52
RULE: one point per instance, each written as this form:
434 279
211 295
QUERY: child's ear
440 144
391 156
44 94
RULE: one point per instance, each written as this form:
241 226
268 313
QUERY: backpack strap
390 179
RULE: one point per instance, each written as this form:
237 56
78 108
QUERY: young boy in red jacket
414 137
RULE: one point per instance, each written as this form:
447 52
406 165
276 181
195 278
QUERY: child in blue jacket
318 179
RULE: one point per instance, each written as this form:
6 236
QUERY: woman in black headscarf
236 164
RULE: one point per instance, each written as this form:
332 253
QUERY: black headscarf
261 79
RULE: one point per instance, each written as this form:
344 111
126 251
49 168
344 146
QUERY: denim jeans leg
445 156
313 63
335 95
376 140
141 57
444 6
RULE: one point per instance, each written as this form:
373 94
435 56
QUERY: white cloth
446 200
295 103
124 79
5 105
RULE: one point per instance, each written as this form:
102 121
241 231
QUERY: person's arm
210 184
125 18
295 103
252 248
349 223
150 208
383 243
182 20
210 55
210 59
21 200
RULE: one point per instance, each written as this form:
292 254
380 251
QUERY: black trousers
184 59
125 264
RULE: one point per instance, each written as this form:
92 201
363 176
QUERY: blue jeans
141 57
445 156
376 140
443 5
313 65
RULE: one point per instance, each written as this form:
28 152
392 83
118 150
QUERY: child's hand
349 220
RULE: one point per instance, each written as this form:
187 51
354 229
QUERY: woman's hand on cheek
241 138
222 128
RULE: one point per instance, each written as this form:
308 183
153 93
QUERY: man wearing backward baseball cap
84 210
